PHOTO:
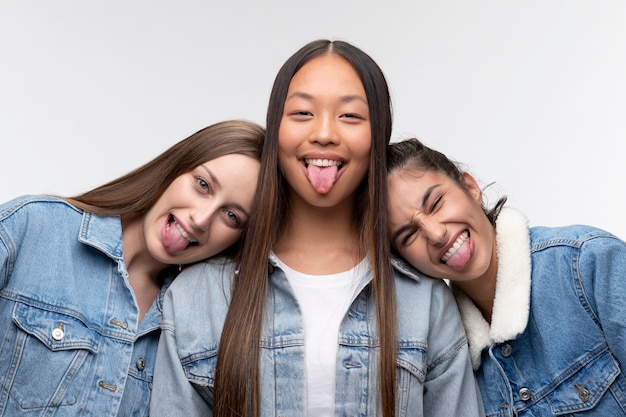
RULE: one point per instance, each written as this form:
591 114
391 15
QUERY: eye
409 236
436 203
203 184
298 114
233 219
351 117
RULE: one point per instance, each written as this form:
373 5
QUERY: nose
324 130
434 232
202 216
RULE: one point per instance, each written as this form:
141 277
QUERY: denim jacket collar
398 264
404 267
512 301
103 233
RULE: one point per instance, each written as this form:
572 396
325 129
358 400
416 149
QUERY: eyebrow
407 226
212 175
346 99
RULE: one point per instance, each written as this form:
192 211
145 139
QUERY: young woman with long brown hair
82 278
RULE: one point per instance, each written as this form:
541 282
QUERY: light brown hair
133 194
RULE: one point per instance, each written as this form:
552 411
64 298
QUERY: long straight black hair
236 385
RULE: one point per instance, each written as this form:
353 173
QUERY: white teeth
322 162
183 233
462 237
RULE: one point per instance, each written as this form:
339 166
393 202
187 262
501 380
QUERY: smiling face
325 137
203 211
439 227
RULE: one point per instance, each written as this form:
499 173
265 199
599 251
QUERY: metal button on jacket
57 332
524 394
506 350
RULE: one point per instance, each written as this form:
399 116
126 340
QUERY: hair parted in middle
236 386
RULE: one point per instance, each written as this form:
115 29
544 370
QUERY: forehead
416 179
406 189
231 167
328 72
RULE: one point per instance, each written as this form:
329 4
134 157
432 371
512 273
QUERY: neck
482 290
143 269
320 240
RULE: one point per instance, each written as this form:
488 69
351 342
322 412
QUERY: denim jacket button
141 364
57 333
524 394
506 350
583 393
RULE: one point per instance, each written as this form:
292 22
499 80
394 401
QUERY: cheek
288 138
221 238
362 149
417 257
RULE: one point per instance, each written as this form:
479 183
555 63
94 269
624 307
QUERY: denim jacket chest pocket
49 358
200 371
584 390
412 369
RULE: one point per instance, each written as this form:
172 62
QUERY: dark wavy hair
412 155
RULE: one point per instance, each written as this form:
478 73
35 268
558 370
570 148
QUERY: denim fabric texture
568 356
70 339
435 377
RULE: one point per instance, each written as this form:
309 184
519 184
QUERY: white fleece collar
512 300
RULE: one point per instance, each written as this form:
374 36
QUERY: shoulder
407 277
38 217
216 271
416 292
36 205
195 305
202 286
574 236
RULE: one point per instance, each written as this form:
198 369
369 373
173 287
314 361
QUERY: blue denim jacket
557 341
435 377
70 340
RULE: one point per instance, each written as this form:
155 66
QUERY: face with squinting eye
438 226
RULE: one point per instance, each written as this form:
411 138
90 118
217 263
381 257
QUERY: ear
473 188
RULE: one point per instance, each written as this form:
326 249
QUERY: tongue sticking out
322 178
462 256
172 240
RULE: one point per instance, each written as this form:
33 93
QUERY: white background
529 94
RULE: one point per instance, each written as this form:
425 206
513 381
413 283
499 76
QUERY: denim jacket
70 339
434 378
557 341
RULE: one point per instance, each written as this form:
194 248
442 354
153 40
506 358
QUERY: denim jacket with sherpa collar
556 345
434 374
71 343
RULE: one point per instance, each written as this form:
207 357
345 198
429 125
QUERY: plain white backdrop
528 94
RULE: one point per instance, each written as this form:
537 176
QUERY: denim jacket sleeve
601 272
194 310
450 388
172 393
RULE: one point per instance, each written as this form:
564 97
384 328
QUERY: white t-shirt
324 301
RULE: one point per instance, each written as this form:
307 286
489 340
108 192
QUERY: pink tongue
462 256
322 178
173 241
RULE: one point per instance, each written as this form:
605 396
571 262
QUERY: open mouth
323 163
455 246
172 221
